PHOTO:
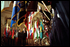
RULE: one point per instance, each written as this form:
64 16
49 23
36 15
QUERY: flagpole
46 6
46 16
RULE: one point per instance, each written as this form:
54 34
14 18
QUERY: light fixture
58 16
46 43
45 28
52 11
43 20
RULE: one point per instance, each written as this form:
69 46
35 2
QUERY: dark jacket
24 35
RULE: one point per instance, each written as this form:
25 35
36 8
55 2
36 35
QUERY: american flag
29 23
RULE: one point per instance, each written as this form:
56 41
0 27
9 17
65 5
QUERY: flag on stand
31 17
28 29
10 33
29 24
31 30
41 28
26 21
15 11
28 35
5 32
13 33
30 20
37 29
26 13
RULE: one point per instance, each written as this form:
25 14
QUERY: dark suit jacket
24 35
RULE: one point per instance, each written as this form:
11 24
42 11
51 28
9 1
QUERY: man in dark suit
24 36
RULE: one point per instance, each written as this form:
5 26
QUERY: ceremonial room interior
35 23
